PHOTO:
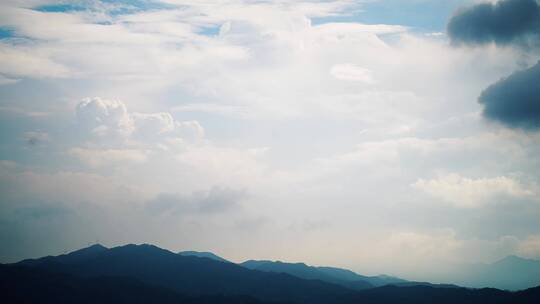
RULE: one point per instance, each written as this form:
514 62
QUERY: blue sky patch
420 15
119 7
60 8
210 30
6 33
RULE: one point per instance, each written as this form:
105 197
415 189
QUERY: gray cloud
515 100
35 138
505 22
214 200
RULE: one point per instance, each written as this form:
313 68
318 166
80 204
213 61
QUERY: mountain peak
514 259
90 250
96 246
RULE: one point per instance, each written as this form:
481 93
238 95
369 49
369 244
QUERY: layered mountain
334 275
203 254
188 275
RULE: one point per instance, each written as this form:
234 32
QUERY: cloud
505 22
352 72
104 117
34 138
7 80
214 200
106 157
69 187
150 126
465 192
101 116
515 101
26 60
512 101
530 247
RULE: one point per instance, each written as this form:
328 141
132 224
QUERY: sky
396 137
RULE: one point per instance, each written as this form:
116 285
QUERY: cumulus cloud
503 22
515 100
104 117
470 193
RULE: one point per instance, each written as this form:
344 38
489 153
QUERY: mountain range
146 273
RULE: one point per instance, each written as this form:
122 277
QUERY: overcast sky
386 136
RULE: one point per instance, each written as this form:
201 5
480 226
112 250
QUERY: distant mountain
188 274
30 285
345 274
511 273
334 275
203 254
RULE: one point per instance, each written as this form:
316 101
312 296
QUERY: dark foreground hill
19 284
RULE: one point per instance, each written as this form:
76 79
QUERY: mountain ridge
189 275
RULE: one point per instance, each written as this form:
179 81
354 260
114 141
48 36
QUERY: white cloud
20 60
69 187
352 72
469 193
104 117
108 157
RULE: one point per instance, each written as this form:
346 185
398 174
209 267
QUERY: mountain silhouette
188 275
203 254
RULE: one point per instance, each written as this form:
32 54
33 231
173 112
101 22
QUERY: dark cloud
215 200
515 100
506 22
